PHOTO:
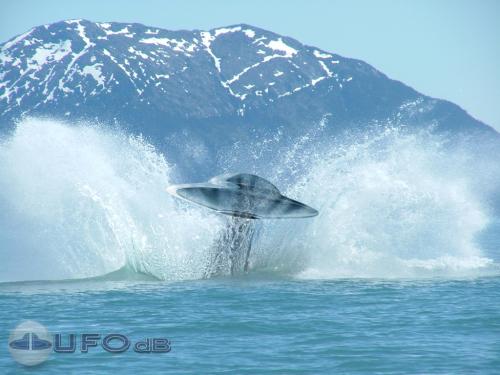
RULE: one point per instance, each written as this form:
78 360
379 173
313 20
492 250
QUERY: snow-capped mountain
154 80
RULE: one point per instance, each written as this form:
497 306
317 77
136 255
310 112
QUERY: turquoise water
261 325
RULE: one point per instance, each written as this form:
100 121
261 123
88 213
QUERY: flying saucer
242 195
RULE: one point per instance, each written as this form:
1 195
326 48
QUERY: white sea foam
79 201
392 204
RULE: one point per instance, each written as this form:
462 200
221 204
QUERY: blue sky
443 48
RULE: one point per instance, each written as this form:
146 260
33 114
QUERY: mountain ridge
157 80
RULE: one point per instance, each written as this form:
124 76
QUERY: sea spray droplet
392 204
80 201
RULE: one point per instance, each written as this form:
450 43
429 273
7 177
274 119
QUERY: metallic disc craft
244 197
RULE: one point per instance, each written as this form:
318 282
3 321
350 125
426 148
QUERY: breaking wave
82 201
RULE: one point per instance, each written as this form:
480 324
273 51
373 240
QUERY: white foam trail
79 201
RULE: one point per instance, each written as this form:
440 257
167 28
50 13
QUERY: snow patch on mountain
49 52
278 45
176 45
96 73
321 55
206 39
124 32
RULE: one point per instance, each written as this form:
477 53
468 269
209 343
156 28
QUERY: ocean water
262 325
399 273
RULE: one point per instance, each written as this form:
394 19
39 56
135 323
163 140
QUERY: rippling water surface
261 325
